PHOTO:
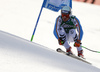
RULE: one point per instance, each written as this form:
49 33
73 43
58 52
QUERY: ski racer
68 29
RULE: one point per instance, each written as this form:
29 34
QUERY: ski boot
80 54
69 52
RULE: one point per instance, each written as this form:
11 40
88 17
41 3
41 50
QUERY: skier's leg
80 51
72 38
69 38
64 37
63 34
67 46
72 35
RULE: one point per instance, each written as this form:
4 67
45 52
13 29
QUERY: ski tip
58 49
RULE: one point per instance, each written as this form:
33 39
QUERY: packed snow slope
19 17
20 55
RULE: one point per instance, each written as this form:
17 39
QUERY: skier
68 29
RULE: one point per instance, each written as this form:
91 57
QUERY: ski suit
70 30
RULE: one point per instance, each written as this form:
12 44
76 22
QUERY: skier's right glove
61 40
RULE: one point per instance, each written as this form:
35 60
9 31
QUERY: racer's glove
61 40
77 43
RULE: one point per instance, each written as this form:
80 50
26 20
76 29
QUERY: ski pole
90 49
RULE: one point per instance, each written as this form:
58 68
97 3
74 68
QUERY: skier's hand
77 43
60 41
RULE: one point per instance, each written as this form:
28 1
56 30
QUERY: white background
19 18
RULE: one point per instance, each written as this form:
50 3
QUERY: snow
18 54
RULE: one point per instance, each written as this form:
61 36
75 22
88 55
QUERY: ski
72 55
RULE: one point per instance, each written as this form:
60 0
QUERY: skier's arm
58 22
79 29
59 29
80 33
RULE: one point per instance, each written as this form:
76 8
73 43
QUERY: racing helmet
66 11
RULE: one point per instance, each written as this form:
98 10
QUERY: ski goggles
65 13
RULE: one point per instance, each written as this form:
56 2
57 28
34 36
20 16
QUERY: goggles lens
66 15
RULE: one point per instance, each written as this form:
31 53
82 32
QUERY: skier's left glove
77 43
